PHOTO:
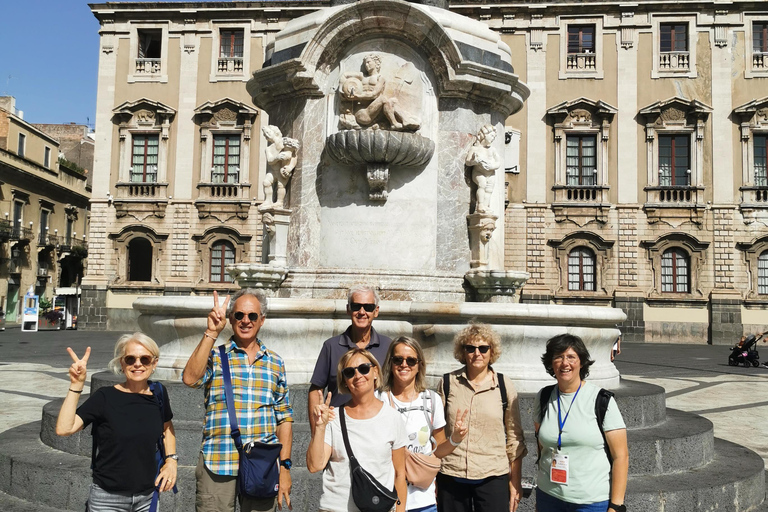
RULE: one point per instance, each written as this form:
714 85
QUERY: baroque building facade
636 170
43 215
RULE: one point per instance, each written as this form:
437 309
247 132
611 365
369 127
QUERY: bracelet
206 335
450 440
75 391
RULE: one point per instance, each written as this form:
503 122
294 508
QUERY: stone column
276 222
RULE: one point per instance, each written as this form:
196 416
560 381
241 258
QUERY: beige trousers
216 493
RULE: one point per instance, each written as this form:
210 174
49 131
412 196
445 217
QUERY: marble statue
484 161
371 101
282 154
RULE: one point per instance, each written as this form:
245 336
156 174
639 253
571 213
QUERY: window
674 271
139 260
673 37
144 159
226 159
581 39
231 44
149 52
762 274
47 158
18 211
22 145
760 37
761 161
581 270
674 160
44 226
222 254
581 160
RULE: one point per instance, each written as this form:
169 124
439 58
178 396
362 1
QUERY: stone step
10 503
27 464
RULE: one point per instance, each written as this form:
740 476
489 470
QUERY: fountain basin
296 328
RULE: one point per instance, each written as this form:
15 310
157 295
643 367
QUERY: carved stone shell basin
385 147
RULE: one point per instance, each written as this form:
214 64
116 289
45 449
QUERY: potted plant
50 317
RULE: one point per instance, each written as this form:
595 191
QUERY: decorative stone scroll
496 285
254 275
484 161
282 155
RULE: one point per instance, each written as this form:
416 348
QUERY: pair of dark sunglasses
470 349
355 306
410 361
239 315
349 371
144 360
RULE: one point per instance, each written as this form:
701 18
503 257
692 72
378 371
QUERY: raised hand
460 426
324 412
78 369
217 318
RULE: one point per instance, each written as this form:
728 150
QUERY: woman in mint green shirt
575 474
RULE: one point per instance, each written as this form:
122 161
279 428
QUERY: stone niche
400 223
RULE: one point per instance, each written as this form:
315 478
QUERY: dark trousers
489 495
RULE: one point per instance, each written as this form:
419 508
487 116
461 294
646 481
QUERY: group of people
456 448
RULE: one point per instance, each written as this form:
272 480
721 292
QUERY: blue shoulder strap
231 412
157 391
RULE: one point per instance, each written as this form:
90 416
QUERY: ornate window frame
749 70
603 251
205 242
230 76
753 118
696 251
675 116
656 69
597 72
162 75
582 116
751 251
121 241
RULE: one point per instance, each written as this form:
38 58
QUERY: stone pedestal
276 222
481 227
265 276
496 285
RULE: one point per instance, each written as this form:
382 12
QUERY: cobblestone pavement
697 378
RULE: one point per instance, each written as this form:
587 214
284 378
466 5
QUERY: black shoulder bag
367 492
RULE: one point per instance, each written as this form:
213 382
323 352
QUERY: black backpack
601 407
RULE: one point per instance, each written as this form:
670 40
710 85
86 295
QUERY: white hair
362 288
140 338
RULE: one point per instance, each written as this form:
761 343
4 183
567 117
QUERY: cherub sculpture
484 161
375 102
282 154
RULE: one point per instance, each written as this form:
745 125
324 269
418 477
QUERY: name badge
558 473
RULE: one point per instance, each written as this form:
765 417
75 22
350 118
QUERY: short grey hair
362 288
253 292
140 338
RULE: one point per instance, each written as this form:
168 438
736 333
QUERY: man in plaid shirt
261 399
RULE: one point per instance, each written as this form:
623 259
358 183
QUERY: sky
49 57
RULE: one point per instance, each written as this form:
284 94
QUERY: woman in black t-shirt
127 423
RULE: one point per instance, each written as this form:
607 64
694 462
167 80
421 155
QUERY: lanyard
560 421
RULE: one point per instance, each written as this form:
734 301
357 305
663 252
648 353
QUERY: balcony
141 197
581 203
148 66
674 202
74 246
47 240
222 200
581 62
674 61
230 66
21 234
760 61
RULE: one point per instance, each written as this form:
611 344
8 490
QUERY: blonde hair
341 382
140 338
421 375
476 332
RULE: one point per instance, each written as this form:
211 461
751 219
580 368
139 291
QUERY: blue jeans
428 508
547 503
100 500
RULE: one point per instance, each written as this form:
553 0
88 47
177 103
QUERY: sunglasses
349 371
410 361
355 306
251 316
470 349
144 360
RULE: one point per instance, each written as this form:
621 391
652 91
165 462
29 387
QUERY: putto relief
370 100
484 160
282 155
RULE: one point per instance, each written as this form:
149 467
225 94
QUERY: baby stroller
745 354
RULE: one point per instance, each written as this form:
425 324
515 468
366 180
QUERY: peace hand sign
460 426
324 412
77 371
217 318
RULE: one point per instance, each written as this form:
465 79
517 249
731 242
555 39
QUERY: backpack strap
601 407
544 396
503 391
446 387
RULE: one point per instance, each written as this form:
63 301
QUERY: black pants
490 495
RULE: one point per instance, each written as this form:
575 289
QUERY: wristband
206 335
450 440
75 391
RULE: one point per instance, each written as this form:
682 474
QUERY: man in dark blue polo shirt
362 307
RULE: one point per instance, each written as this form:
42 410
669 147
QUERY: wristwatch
172 456
617 508
286 463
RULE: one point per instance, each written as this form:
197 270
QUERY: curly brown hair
475 332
